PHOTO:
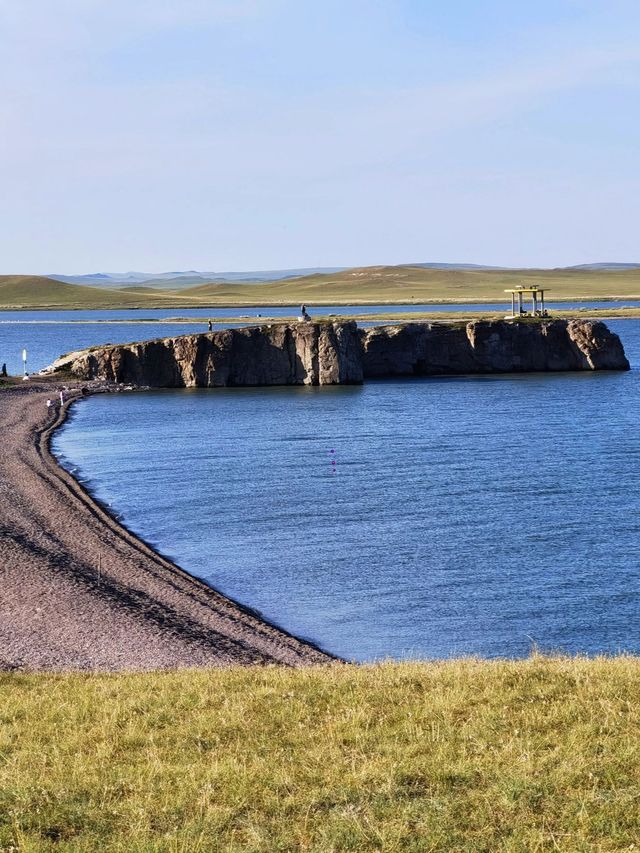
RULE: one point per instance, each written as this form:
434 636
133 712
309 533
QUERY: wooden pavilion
537 302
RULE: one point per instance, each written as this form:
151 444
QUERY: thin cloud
218 146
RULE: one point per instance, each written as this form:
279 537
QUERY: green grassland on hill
28 291
415 284
366 285
542 754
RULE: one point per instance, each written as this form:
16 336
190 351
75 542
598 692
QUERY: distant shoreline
311 303
613 313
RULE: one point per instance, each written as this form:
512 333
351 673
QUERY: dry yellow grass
406 284
542 754
366 285
31 291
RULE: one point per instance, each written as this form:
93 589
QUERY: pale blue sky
256 134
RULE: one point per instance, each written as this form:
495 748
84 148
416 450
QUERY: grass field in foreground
542 754
360 286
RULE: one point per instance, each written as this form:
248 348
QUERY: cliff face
296 354
340 353
491 347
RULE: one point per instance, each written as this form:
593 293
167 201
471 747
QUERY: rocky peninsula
81 592
309 353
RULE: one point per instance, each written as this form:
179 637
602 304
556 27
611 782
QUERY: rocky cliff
340 353
428 349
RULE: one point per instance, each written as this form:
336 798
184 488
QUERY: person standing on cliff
210 326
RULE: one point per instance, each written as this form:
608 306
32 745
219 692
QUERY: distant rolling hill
361 285
138 288
29 291
188 279
406 284
178 280
605 267
119 281
435 266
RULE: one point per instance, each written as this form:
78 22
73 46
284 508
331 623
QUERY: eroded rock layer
429 349
340 353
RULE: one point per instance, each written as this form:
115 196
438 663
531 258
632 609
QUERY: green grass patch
541 754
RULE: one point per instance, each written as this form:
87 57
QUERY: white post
24 362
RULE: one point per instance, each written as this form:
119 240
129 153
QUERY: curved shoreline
82 592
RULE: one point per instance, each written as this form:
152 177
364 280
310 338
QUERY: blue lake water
48 334
471 515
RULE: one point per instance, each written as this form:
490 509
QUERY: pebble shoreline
80 592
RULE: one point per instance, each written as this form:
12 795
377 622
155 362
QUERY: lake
463 516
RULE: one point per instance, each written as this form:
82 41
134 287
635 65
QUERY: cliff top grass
612 311
541 754
359 286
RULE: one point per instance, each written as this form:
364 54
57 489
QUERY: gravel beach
80 592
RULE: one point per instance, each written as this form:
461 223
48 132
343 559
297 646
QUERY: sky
264 134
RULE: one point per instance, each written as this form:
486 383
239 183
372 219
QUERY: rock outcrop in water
340 353
429 349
